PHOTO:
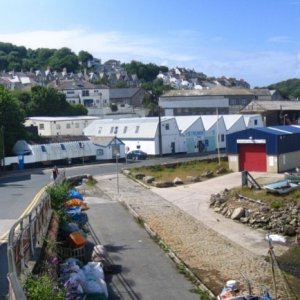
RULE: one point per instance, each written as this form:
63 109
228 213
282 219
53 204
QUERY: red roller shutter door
253 157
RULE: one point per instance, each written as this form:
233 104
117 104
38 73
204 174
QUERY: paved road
146 271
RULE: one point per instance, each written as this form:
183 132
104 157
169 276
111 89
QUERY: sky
254 40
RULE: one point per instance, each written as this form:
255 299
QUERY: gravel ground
211 256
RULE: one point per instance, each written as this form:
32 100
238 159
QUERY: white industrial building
179 134
141 133
52 126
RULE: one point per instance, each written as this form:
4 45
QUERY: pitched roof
209 120
230 120
66 118
185 122
261 106
123 93
214 91
102 140
125 128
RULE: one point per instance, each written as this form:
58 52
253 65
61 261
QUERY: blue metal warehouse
267 149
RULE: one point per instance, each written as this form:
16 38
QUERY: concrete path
146 272
194 199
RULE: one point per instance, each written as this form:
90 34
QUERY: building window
255 122
167 127
222 137
68 125
99 152
43 148
81 145
137 129
41 126
62 146
112 129
116 130
76 125
85 93
125 129
99 130
57 126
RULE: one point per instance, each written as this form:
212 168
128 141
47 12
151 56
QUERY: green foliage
276 204
42 287
58 194
91 181
64 58
11 119
184 169
288 89
155 88
84 57
47 102
145 72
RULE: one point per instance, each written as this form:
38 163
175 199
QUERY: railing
25 242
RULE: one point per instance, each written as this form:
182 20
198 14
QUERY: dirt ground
211 256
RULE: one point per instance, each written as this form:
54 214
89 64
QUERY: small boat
282 186
292 177
231 291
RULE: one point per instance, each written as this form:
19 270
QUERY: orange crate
76 239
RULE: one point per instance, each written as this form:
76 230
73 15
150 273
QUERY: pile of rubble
257 214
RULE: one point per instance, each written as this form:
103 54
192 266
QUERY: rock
177 181
138 175
192 178
207 174
126 172
244 220
238 213
221 170
162 184
293 222
148 179
289 231
217 209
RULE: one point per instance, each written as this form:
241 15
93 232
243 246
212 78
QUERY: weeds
42 287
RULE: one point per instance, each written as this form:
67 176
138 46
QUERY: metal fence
25 242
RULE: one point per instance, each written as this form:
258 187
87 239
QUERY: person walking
55 172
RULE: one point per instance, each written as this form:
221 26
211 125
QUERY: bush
42 287
58 194
276 204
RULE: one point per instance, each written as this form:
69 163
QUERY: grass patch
182 170
273 200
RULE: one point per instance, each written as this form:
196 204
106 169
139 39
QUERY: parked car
137 155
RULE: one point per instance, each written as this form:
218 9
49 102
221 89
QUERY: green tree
84 57
11 120
64 58
155 89
48 102
145 72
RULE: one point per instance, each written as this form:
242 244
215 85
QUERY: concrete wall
233 161
288 161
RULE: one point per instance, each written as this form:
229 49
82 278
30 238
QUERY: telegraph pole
3 147
159 133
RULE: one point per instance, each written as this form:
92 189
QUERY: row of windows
58 126
62 146
114 129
